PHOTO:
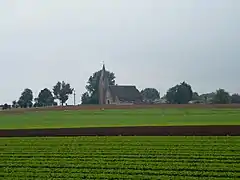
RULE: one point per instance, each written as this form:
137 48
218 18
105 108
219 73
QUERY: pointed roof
103 72
103 77
103 68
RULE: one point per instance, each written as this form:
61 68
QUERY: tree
26 98
180 94
6 106
14 104
195 96
221 97
35 102
93 86
235 98
45 98
184 93
62 91
171 95
150 94
196 99
85 98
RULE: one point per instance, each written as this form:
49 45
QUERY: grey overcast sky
148 43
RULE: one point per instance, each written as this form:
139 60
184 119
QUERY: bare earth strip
127 131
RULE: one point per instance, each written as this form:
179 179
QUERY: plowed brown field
127 131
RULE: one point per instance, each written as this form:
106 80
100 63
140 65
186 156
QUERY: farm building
116 94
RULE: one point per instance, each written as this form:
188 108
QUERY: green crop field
108 118
120 158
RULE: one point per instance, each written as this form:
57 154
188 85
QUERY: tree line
183 94
46 97
179 94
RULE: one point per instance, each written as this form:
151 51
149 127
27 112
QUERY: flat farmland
120 158
119 117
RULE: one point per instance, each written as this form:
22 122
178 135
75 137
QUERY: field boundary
101 107
214 130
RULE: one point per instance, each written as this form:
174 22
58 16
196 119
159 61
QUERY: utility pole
74 97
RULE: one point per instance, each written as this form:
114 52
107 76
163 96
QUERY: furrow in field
128 171
22 176
172 156
130 165
225 162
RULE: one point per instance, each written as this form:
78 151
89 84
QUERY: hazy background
148 43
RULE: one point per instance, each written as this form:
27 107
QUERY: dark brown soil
127 131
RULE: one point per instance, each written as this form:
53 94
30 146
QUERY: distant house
196 102
160 101
117 94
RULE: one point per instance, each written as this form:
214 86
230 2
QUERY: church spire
103 68
103 85
103 72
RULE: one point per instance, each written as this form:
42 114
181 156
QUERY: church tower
103 85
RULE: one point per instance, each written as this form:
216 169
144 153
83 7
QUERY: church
116 94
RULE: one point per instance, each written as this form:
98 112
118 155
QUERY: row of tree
180 94
46 97
183 94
